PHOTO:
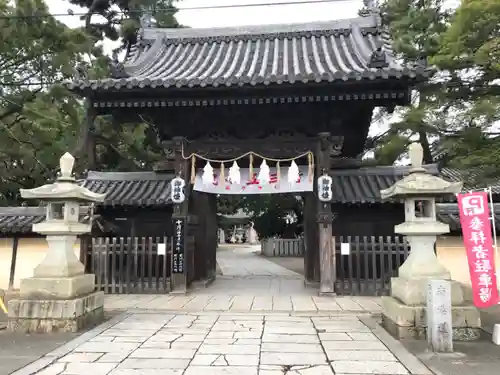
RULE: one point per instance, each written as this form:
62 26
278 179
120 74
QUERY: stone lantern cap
419 182
65 188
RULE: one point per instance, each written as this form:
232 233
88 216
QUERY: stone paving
257 319
250 283
255 302
224 343
244 260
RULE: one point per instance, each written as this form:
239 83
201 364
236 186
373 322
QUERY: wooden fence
279 247
366 265
131 265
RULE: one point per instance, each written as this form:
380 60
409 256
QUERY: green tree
122 17
115 143
470 48
458 106
416 27
38 119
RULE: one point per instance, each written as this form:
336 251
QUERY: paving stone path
245 261
239 344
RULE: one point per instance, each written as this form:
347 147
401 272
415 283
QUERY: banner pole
492 208
493 225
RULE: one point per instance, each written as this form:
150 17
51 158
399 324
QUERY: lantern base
49 315
414 291
57 287
410 322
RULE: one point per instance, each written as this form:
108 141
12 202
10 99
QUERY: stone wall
451 253
30 253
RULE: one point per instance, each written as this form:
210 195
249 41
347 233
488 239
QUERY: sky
258 15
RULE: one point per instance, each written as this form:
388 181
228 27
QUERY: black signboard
179 243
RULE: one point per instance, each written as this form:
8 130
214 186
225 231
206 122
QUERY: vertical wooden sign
179 245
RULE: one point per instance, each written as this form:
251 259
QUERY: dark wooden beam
179 281
324 218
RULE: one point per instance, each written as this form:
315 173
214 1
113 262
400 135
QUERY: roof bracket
378 59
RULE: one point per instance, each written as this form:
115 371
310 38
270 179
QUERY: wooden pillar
324 218
201 207
212 237
15 244
311 247
180 217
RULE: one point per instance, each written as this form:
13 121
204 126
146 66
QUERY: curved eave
412 77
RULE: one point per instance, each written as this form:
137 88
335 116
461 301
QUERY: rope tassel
222 177
193 169
250 168
310 163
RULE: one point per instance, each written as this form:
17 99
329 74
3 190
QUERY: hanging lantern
264 173
234 173
177 190
208 174
293 173
325 193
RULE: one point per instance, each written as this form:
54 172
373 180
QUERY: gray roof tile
131 188
467 176
20 219
314 52
448 213
363 185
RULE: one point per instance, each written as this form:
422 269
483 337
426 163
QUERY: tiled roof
363 185
20 219
342 50
448 213
131 188
453 174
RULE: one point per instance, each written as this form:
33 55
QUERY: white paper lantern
325 193
293 173
208 174
234 173
177 190
264 173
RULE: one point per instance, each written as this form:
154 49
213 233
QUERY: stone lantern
404 311
59 296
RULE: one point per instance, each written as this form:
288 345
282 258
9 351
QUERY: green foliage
459 106
39 119
268 212
125 21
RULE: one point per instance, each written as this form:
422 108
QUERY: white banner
252 186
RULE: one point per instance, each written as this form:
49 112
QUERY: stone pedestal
56 303
404 312
59 297
57 288
50 315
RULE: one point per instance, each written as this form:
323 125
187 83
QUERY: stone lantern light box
63 200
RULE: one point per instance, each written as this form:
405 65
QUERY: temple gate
278 91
